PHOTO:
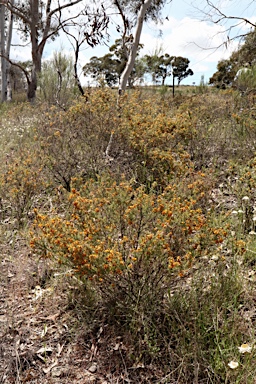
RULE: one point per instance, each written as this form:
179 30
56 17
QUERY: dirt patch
38 331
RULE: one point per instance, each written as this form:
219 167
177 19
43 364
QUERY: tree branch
223 16
19 66
15 10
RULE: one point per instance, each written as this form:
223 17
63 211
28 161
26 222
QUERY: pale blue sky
187 32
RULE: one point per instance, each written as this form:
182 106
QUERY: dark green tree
180 68
160 67
227 69
102 68
225 74
163 66
110 66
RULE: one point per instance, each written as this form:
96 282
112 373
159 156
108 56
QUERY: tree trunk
36 56
32 85
36 70
2 53
78 83
132 54
8 48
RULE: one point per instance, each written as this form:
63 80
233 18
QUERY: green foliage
153 12
225 74
56 80
163 66
245 81
102 68
180 68
110 66
160 67
227 69
247 50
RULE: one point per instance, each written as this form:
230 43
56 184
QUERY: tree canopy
109 67
245 55
41 21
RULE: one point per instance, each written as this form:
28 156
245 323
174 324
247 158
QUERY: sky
186 31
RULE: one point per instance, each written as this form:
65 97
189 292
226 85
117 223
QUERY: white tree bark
2 53
7 53
33 18
132 54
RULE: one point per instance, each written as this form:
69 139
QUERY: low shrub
21 184
131 245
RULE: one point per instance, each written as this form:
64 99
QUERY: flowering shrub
74 142
157 138
140 218
147 143
21 183
142 228
113 230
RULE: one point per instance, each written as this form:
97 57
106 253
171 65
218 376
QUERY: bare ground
41 341
43 337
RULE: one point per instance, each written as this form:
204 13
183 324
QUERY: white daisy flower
245 348
233 364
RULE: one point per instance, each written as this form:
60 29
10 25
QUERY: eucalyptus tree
159 66
91 33
38 21
133 15
180 68
232 23
103 69
224 75
2 52
108 69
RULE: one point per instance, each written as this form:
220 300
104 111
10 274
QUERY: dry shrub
22 184
138 227
130 245
74 142
136 138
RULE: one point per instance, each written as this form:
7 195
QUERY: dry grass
57 328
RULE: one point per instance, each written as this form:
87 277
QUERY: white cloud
20 51
202 43
190 37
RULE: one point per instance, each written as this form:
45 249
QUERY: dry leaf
53 317
47 370
44 350
60 348
116 347
93 368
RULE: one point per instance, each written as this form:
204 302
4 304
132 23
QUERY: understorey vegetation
143 213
